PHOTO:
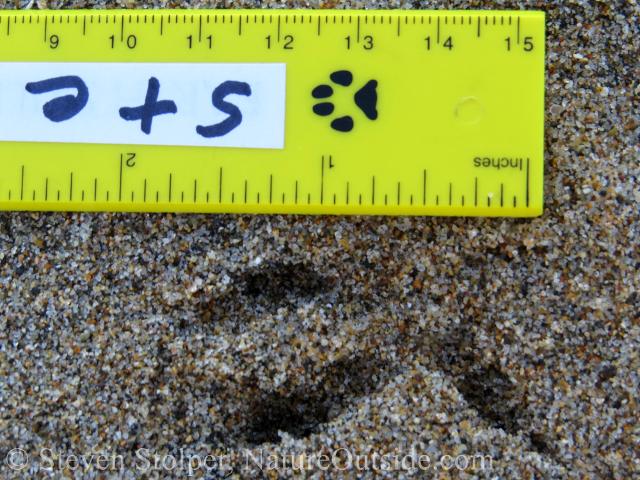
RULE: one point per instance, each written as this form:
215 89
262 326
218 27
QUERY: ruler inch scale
265 111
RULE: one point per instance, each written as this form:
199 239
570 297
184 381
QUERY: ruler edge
368 210
527 212
238 11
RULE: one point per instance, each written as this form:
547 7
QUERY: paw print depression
366 99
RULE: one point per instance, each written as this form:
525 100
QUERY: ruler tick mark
195 190
144 196
120 194
95 190
296 186
450 193
527 183
170 179
358 36
322 182
122 28
270 189
278 28
45 28
438 37
347 193
59 195
220 194
502 194
46 189
437 199
84 25
71 187
34 196
22 183
518 30
398 193
245 191
424 189
373 191
478 26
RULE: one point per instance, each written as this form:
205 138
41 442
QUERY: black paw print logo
366 99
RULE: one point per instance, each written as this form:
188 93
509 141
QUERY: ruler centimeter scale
246 111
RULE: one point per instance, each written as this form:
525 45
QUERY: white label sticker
219 105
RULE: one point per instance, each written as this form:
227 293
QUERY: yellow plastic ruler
311 112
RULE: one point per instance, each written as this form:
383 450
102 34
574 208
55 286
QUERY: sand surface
513 338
